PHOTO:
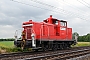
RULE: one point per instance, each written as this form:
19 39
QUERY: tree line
7 39
84 38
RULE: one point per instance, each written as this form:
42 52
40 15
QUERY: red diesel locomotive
50 34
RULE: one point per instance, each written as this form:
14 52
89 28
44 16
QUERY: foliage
8 39
8 46
73 35
8 50
84 38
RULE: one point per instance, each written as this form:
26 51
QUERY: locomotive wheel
45 48
36 50
69 46
65 46
61 46
54 47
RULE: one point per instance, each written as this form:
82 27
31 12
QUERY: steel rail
62 54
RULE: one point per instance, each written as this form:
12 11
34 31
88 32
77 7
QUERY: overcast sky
14 12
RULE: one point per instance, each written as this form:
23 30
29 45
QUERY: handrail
16 33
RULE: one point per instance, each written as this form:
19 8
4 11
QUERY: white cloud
7 31
13 14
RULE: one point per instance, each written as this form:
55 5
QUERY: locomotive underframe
46 45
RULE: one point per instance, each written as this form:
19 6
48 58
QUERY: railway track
49 55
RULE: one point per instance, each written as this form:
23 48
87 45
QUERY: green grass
8 44
82 44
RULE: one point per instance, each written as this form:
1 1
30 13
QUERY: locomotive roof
63 21
57 19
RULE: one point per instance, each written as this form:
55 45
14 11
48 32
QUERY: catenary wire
83 4
43 8
69 13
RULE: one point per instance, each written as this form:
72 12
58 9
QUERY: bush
8 39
